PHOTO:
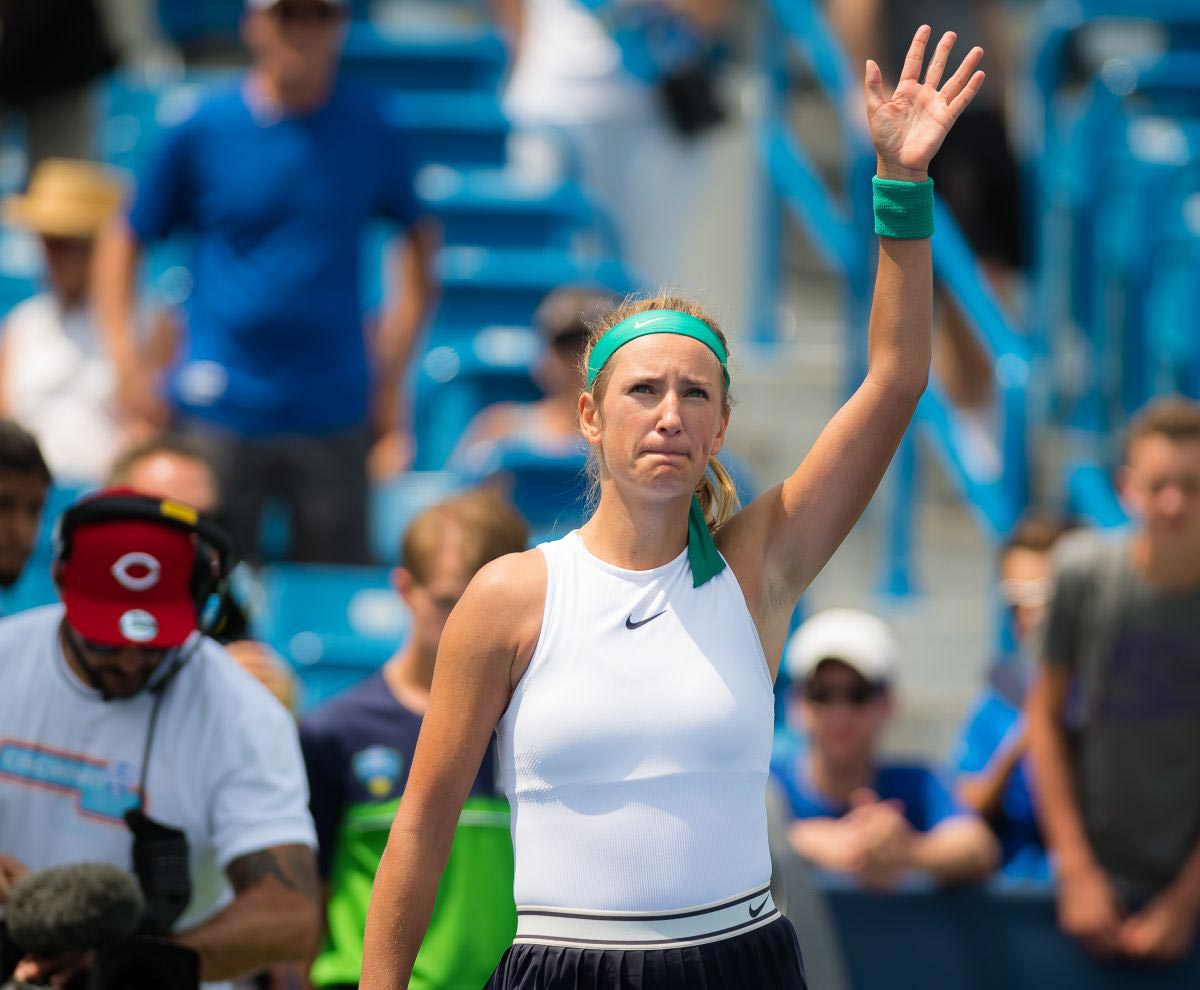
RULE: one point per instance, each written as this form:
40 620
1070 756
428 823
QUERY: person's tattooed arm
274 916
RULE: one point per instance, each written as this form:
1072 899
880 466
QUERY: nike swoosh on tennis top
630 624
756 911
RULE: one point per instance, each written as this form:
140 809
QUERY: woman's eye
640 387
702 393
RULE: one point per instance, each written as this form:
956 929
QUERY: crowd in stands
1118 613
1078 765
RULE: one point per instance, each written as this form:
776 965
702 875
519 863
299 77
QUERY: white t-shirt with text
225 766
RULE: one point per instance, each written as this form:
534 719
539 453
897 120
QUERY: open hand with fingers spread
909 127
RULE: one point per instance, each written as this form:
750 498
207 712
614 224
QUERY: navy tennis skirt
766 958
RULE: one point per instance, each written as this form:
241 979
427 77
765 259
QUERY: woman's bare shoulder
514 580
502 608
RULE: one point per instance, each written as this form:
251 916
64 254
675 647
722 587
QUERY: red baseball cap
129 583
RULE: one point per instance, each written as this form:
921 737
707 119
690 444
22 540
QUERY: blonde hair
478 525
716 491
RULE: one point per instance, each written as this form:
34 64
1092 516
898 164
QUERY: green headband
705 560
654 321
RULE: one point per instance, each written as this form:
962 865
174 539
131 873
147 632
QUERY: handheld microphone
73 908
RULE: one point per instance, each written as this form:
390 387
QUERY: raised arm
488 640
788 534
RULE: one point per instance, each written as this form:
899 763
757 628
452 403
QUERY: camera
144 963
133 963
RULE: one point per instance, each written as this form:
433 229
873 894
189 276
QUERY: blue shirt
995 718
926 798
358 749
277 207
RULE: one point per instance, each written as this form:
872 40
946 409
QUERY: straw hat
66 198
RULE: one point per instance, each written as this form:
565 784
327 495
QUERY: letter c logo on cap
137 571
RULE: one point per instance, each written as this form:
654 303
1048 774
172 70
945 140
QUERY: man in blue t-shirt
276 176
857 813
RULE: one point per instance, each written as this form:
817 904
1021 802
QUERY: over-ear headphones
215 556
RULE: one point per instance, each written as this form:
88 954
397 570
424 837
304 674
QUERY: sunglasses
108 650
855 697
316 13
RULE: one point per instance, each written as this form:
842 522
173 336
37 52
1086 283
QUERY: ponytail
717 495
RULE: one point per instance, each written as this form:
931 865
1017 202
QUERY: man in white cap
56 378
277 176
856 812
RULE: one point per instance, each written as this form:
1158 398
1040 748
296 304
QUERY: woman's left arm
793 529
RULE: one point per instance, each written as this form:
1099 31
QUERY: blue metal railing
1112 165
842 231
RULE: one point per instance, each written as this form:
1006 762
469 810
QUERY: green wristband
903 210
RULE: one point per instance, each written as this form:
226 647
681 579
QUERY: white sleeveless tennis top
636 747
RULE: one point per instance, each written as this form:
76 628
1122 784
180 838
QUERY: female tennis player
627 668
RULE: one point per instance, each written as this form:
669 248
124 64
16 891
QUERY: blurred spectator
1114 717
55 376
24 481
564 320
991 753
628 110
173 467
50 53
124 724
975 174
359 748
858 813
276 177
169 466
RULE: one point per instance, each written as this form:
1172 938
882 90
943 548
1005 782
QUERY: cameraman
122 720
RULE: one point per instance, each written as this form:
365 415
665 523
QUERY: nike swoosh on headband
630 624
645 323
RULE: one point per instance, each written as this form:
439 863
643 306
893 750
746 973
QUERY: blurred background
556 146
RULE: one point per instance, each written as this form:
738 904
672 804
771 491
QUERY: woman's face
661 417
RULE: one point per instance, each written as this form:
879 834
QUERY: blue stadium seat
460 129
394 504
435 61
490 209
456 381
136 109
335 625
36 587
547 484
20 268
485 288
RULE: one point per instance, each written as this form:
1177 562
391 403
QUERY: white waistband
646 929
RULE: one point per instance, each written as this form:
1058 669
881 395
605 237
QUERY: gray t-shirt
1133 711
